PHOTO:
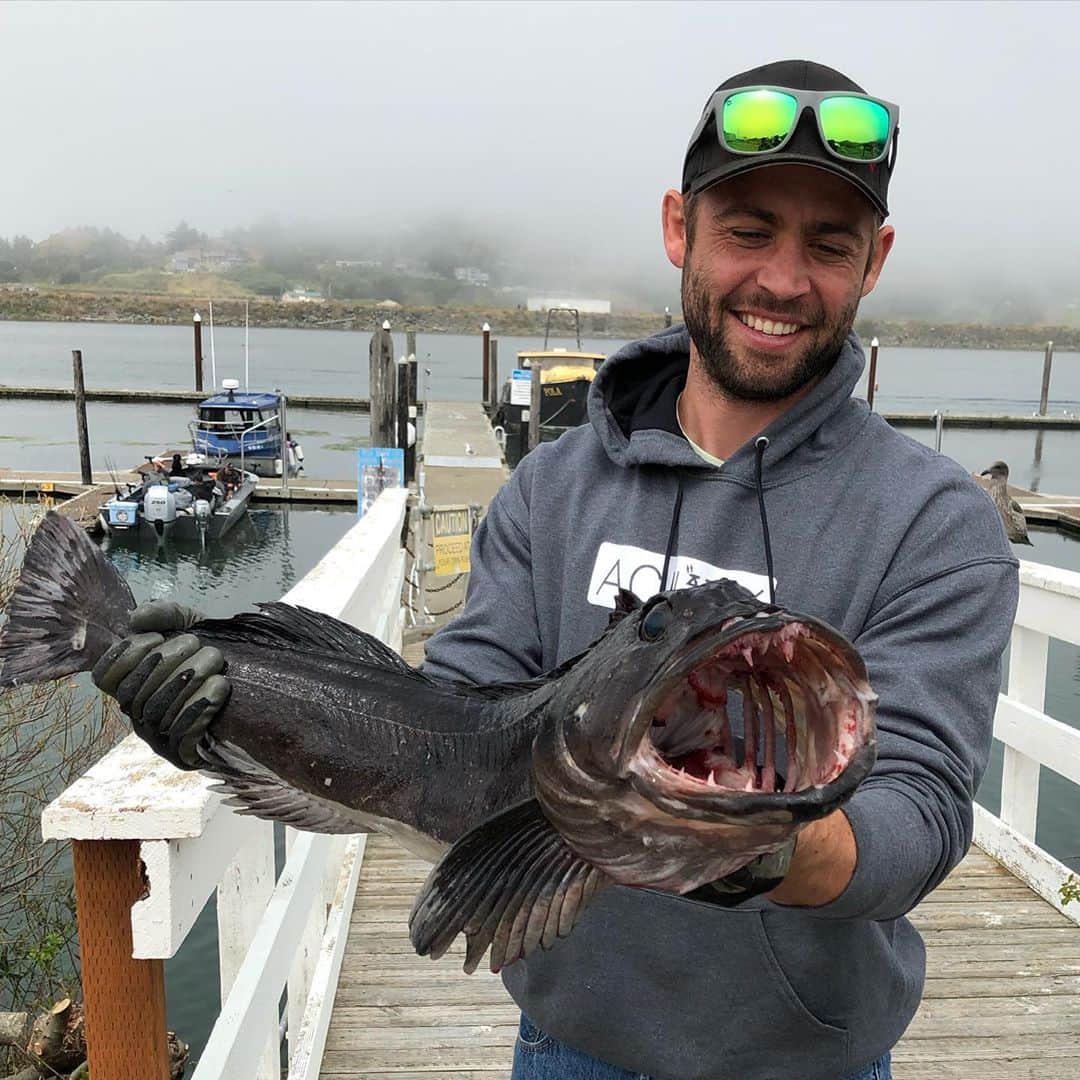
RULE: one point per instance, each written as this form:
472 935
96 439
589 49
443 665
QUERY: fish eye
655 621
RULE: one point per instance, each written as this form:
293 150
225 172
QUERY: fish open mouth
784 709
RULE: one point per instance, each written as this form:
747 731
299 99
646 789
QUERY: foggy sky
556 125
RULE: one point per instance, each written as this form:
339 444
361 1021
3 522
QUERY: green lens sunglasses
762 119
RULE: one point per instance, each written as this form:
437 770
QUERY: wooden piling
410 344
413 396
485 349
197 321
383 386
873 372
403 403
123 998
535 398
492 399
80 417
1044 396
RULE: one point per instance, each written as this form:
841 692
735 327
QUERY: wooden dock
1002 998
119 396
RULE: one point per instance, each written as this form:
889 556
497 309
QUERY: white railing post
1020 773
305 958
242 896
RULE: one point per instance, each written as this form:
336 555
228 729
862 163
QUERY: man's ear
885 237
673 219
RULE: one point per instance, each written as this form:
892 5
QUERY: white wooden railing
1049 608
273 932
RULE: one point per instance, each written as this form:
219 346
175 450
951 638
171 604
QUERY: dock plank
1002 997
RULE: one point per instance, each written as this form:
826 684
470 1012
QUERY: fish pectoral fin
511 884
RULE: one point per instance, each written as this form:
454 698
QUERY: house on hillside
586 307
303 296
472 275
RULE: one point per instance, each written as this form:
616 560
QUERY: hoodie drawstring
761 444
673 535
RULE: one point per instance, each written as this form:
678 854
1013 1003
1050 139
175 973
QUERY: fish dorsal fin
283 626
511 884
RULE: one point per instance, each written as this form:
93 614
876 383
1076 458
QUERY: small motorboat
247 426
188 499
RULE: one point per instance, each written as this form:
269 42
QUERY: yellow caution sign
452 536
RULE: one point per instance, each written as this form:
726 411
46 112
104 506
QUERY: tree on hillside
184 236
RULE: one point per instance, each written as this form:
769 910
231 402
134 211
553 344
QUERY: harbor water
274 547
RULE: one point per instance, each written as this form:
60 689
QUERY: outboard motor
159 507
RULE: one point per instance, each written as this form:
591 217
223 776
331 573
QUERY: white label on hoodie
622 566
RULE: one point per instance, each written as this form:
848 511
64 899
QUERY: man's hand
171 689
822 866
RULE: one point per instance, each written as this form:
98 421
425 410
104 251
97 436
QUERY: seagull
1010 510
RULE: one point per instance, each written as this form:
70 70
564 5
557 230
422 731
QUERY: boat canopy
241 399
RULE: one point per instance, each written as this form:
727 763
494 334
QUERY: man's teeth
767 326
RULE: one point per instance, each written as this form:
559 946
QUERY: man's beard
768 379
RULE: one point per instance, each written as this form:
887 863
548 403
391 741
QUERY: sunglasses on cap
761 120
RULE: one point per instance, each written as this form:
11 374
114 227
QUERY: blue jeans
538 1056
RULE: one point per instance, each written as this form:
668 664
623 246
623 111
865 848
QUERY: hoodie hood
628 397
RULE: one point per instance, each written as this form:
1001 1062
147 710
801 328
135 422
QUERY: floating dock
175 397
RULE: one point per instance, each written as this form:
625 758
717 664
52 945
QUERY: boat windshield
231 421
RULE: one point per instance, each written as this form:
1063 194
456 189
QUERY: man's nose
785 273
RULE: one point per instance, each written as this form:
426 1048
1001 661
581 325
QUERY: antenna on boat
245 344
213 357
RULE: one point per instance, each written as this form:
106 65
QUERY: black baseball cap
707 162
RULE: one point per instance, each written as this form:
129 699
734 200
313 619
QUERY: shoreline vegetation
43 304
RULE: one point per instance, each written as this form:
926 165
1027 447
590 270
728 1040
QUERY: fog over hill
534 139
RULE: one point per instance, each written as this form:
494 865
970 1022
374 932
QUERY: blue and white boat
245 427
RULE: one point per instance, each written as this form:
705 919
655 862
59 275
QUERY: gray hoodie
889 542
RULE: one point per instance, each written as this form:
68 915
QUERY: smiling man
732 447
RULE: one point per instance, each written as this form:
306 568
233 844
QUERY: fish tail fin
68 606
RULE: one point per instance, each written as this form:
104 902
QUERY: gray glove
171 689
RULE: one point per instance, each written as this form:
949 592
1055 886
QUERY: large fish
696 736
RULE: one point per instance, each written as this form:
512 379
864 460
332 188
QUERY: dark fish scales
689 743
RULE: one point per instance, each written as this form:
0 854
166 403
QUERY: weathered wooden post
80 417
1044 396
873 372
486 350
667 316
383 386
197 320
410 347
123 998
493 375
403 403
535 397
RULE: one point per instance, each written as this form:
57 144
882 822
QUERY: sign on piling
80 417
452 529
383 386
